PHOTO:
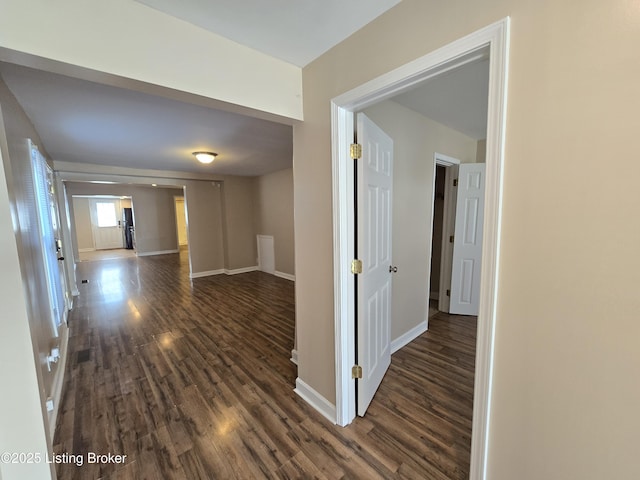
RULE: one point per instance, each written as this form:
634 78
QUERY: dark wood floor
192 380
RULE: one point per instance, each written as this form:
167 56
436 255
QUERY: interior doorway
491 41
437 232
103 227
181 221
445 174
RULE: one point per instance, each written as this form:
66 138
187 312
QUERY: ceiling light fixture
205 157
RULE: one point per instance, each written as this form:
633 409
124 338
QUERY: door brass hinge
448 293
455 182
451 239
355 150
356 266
356 371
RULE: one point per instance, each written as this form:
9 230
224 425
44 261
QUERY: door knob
60 258
392 269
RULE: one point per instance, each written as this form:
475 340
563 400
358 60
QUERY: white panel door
467 244
375 181
266 254
106 216
46 205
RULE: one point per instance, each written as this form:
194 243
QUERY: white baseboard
58 381
294 356
208 273
236 271
317 401
160 252
409 336
84 250
286 276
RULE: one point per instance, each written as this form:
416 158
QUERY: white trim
342 127
58 382
207 273
317 401
409 336
159 252
236 271
445 160
226 271
495 38
85 250
294 356
240 270
286 276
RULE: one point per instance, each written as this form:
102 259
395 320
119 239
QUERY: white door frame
448 224
494 39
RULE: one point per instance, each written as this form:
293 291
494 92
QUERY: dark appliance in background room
127 224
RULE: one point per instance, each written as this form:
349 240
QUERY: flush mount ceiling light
205 157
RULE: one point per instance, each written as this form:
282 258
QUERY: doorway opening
491 41
181 221
445 173
437 266
103 227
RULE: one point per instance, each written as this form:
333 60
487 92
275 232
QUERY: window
106 214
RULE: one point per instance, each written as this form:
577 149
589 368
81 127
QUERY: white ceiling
296 31
81 121
457 99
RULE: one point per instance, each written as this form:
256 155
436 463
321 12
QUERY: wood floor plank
191 379
299 467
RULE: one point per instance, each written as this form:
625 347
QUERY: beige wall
27 333
415 141
564 401
481 153
205 226
110 38
153 211
274 215
239 231
82 223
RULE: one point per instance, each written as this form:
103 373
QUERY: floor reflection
111 286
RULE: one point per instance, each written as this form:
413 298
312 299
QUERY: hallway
192 380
